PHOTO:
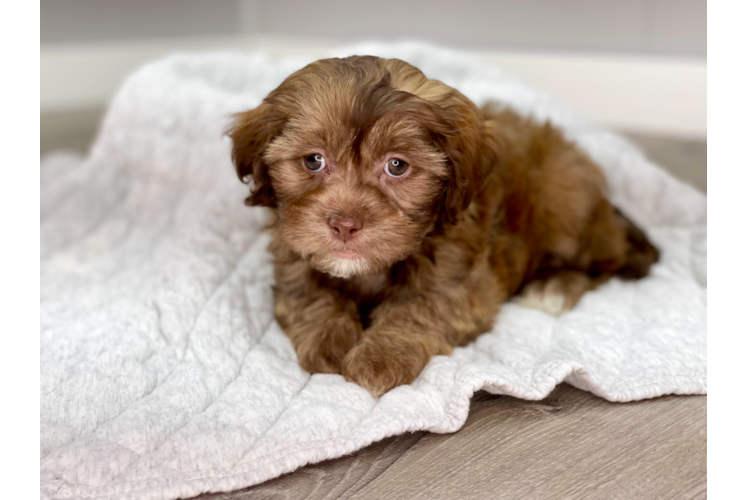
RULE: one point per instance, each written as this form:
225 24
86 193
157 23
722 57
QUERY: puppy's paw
375 368
382 361
539 295
323 350
556 294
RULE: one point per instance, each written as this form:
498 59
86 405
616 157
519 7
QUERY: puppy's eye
315 162
396 167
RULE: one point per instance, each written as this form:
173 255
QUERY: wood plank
570 445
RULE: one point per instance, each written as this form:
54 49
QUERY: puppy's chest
365 288
368 292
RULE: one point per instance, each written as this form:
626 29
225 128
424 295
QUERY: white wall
659 27
75 21
617 26
633 64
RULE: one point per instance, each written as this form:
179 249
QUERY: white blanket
164 374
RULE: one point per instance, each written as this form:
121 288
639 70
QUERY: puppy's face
361 157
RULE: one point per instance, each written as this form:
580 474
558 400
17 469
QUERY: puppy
405 216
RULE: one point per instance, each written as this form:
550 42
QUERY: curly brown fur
491 202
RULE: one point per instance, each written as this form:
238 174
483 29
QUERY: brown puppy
405 216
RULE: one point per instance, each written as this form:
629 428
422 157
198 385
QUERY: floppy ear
251 133
471 153
459 129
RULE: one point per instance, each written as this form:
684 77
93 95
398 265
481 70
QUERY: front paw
379 363
323 349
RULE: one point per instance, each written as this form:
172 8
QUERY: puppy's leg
413 325
611 245
393 351
640 253
322 327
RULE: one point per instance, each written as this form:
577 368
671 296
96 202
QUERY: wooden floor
572 445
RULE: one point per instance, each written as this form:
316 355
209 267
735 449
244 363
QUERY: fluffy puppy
405 216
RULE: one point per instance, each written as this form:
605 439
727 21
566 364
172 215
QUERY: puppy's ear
471 151
460 131
251 133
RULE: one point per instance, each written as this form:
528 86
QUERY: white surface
728 294
647 94
728 232
164 374
728 339
728 89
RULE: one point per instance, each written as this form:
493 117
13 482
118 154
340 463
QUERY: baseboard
665 96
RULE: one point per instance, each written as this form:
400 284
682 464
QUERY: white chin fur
345 268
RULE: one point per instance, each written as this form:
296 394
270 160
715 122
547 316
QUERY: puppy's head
361 157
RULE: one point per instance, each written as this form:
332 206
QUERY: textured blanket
163 372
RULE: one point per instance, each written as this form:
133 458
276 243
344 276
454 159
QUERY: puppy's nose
345 228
